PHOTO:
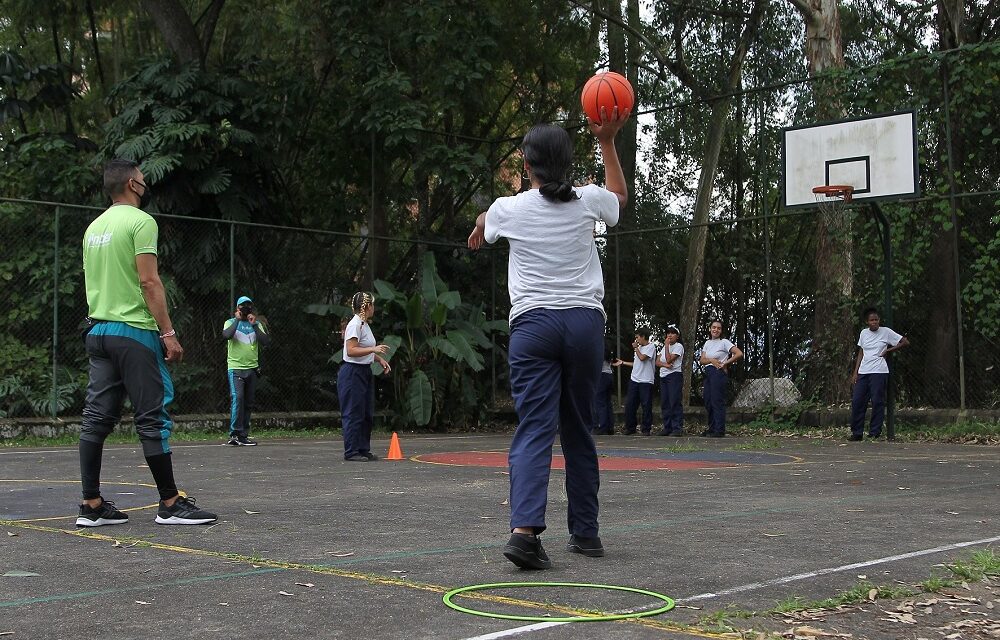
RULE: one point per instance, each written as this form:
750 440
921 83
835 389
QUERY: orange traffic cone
395 453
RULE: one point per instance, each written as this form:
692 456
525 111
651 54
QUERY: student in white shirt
871 374
670 363
640 386
557 321
716 355
355 382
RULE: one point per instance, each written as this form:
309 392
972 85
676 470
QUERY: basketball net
832 198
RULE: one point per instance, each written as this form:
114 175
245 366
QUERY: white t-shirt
677 348
360 330
718 349
553 260
873 343
644 370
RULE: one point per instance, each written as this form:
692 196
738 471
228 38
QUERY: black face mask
145 198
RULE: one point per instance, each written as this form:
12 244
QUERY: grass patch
936 584
681 448
859 593
964 432
71 439
721 621
755 443
980 563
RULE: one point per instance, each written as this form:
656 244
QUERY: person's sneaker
591 547
245 441
233 441
183 511
357 458
104 514
705 434
526 552
856 437
371 456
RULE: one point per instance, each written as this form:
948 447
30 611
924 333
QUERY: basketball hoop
831 198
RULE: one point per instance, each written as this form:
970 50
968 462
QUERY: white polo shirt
872 344
553 261
678 349
644 370
717 349
360 330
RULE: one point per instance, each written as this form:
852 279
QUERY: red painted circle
606 463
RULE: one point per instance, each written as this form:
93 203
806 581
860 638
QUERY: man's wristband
168 334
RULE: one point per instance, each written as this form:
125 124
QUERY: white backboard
876 155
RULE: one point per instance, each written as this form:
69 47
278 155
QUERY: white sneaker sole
176 520
100 522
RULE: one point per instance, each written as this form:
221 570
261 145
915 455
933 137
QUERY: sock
163 474
90 468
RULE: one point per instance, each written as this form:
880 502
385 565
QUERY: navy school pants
670 402
356 390
639 393
716 382
870 386
555 362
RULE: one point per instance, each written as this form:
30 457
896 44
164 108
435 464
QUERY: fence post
54 410
762 194
232 262
493 317
618 313
954 231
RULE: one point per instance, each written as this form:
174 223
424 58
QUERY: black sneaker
233 441
526 551
856 437
591 547
357 458
183 511
245 441
106 513
371 456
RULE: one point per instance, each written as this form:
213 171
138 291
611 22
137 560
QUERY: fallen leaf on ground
224 604
862 576
905 618
952 513
903 488
11 534
872 594
143 602
285 593
340 554
305 584
812 632
506 501
252 513
398 571
20 574
856 510
774 535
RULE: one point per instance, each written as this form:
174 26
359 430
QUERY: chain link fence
759 269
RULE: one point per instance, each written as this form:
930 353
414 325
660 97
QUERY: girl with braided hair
355 383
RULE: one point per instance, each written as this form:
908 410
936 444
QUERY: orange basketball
609 90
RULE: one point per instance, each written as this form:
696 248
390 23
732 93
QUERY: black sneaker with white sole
233 441
245 441
591 547
526 551
106 513
183 511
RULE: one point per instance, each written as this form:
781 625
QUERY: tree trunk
941 356
833 315
694 277
174 24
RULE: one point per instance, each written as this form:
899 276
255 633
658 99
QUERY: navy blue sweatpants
356 390
870 386
555 362
670 402
605 416
716 382
639 393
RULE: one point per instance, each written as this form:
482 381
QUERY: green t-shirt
110 246
243 346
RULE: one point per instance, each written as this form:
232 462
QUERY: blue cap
242 300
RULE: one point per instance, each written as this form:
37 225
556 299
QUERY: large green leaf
445 346
427 272
450 299
414 312
465 350
419 402
389 293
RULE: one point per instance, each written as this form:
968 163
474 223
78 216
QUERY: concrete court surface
310 546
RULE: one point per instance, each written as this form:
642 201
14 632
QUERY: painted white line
845 567
760 585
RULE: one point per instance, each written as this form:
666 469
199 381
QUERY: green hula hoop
667 606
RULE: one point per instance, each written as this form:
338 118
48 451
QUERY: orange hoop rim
842 191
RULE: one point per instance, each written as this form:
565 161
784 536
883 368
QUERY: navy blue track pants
356 390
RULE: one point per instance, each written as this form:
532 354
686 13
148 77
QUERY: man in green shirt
245 333
129 338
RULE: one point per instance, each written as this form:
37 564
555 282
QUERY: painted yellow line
354 575
116 484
